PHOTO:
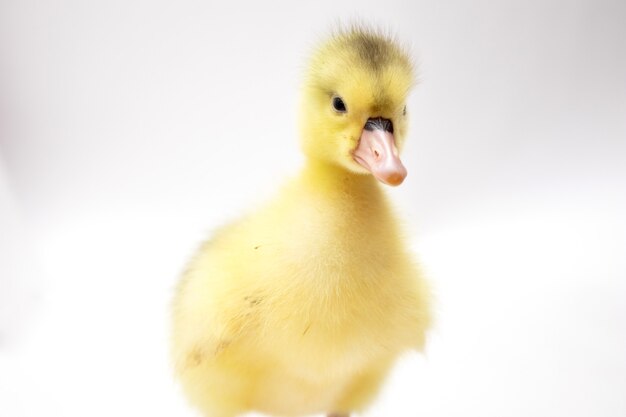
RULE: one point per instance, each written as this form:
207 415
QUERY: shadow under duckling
302 307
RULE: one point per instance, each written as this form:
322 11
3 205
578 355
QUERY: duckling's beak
377 152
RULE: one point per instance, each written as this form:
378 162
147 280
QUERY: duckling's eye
404 111
339 105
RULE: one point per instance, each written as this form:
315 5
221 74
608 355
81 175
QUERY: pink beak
377 153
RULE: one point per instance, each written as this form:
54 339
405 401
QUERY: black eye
339 105
404 111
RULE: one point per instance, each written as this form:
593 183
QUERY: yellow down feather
303 306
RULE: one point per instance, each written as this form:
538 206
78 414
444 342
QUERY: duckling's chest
346 263
341 231
336 273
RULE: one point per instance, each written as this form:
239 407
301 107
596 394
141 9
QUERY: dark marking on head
374 48
381 101
371 49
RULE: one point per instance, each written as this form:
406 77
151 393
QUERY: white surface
130 129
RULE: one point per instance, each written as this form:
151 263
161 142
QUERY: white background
130 129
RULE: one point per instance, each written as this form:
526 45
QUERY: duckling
303 306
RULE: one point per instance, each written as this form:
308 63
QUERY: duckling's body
301 307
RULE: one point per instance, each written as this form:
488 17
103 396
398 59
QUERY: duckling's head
354 104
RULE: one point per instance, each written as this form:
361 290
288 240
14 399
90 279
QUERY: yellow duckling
302 307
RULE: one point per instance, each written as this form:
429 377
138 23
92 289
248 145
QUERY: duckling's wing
207 319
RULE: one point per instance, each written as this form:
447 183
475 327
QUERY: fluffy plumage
303 306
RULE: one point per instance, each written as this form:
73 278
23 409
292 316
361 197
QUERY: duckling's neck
348 212
336 182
